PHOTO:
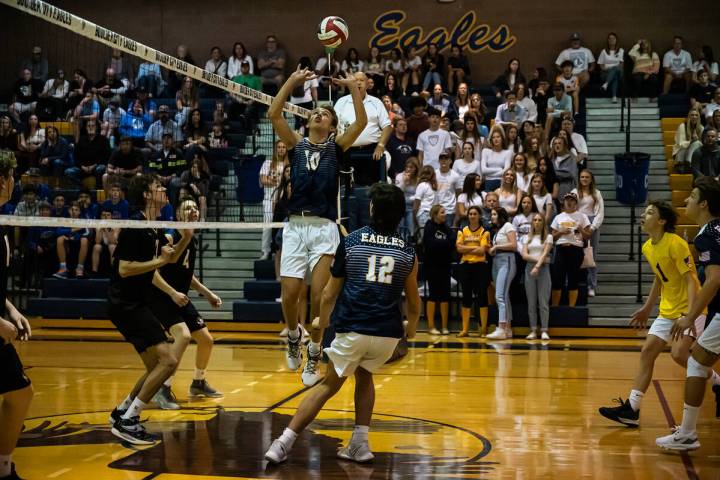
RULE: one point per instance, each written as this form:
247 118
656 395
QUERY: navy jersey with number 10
375 268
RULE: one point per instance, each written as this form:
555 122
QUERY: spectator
646 69
216 64
74 240
543 200
458 68
508 193
449 185
163 126
462 101
547 170
471 195
352 63
9 137
541 93
439 247
578 141
59 207
557 105
687 138
706 159
473 135
611 60
701 93
175 79
473 242
677 66
25 95
392 88
109 89
168 163
407 181
41 189
135 124
570 228
186 100
92 154
30 139
53 98
37 64
238 56
565 166
148 104
434 63
711 107
433 142
590 202
116 204
122 67
440 102
28 206
281 196
496 158
79 87
491 203
111 120
583 61
526 102
271 64
41 243
411 78
88 110
150 79
395 65
522 172
270 175
571 83
217 139
105 243
706 63
197 178
522 222
510 111
532 151
88 209
244 106
509 78
418 121
467 163
477 108
536 252
375 66
713 122
454 137
326 72
425 195
125 163
54 156
304 95
503 270
195 133
400 147
513 138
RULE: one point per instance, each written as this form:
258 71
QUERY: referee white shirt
377 119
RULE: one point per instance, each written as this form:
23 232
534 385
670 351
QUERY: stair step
257 311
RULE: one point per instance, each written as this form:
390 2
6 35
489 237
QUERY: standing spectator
105 243
565 166
677 66
578 141
400 147
88 110
472 135
449 185
270 175
510 111
646 69
509 78
706 63
583 61
547 170
366 155
135 124
590 203
439 247
150 78
503 270
524 101
570 228
125 163
508 193
473 242
92 154
418 121
163 126
611 60
706 159
687 138
522 222
495 159
425 195
462 101
407 181
53 154
522 172
37 64
271 64
471 195
467 163
122 67
186 100
536 252
71 240
711 107
25 95
434 63
167 163
543 200
701 92
433 142
53 98
458 68
237 57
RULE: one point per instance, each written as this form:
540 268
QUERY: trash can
631 177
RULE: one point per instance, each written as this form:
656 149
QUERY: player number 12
387 264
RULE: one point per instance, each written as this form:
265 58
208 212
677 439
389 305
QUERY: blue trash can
631 177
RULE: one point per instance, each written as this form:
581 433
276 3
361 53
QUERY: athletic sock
135 409
689 420
288 438
314 348
360 434
168 382
63 266
294 334
5 465
125 403
715 378
199 374
636 397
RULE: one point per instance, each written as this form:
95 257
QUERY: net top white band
55 222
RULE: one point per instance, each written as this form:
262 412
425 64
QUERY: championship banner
87 29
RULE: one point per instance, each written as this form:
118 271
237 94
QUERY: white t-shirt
542 201
714 70
407 187
233 69
307 89
501 237
580 57
536 246
463 168
427 197
350 67
448 184
577 221
522 224
265 170
475 201
677 63
415 62
523 181
506 200
611 59
579 143
530 107
377 118
432 144
394 66
493 163
592 208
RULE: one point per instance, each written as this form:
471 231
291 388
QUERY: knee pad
696 369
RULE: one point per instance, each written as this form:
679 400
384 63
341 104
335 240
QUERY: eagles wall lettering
466 34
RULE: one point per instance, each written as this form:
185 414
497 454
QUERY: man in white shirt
582 58
448 187
433 141
714 105
677 64
510 111
366 156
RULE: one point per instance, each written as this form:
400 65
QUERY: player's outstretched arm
354 130
289 137
327 302
412 298
214 301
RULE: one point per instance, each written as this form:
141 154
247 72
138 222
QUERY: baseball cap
244 63
570 195
575 36
163 108
37 50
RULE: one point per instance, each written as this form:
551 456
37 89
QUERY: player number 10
387 263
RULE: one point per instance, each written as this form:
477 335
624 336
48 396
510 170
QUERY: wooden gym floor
450 409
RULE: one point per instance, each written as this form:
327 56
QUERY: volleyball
332 32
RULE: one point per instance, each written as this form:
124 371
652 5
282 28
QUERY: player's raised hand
639 319
8 331
302 75
348 81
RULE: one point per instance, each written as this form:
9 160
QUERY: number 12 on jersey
384 275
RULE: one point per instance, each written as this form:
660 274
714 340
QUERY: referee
365 154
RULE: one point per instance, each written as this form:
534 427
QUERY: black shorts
13 375
169 314
137 324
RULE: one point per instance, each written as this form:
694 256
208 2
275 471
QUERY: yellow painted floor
450 409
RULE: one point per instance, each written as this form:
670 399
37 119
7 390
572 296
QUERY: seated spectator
526 102
477 108
92 154
510 111
195 133
88 209
701 92
41 242
116 204
168 163
677 66
713 122
25 95
306 94
706 63
216 64
540 195
164 125
325 73
454 137
571 83
706 159
219 115
418 121
508 192
392 87
611 60
439 246
471 195
149 105
434 67
433 142
135 124
9 137
109 89
425 195
582 59
88 110
711 107
495 159
197 178
238 56
217 139
69 241
59 208
513 138
241 105
29 205
122 67
590 202
271 64
105 243
125 163
175 79
547 170
395 65
79 86
558 104
532 151
150 79
536 252
439 101
576 140
646 69
570 229
412 75
564 164
52 104
31 138
407 181
41 189
352 63
509 78
522 171
399 146
687 139
393 109
37 64
54 154
462 101
471 133
186 100
449 185
503 250
111 119
375 66
458 68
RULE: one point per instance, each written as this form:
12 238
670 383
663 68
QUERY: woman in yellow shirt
472 243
